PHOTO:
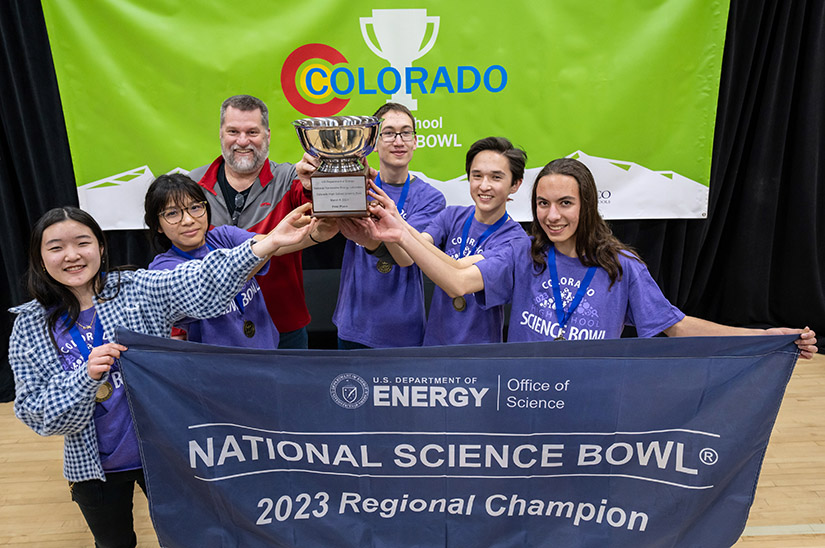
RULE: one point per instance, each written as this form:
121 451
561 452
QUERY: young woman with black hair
178 216
66 371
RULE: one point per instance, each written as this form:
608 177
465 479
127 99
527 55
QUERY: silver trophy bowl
339 141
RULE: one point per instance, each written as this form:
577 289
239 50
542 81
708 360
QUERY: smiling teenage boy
495 169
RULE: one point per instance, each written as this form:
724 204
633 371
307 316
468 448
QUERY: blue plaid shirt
51 400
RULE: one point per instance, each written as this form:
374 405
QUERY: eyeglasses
174 215
240 200
389 136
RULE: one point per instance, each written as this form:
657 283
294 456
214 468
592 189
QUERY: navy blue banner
623 443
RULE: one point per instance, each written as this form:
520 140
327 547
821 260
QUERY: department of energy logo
349 391
317 79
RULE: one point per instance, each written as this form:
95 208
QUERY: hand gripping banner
620 443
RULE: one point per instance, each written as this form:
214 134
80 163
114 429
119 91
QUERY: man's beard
245 165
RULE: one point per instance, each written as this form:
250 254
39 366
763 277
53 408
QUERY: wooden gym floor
789 511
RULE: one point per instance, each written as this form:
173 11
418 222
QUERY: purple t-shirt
116 440
473 325
509 276
386 310
228 328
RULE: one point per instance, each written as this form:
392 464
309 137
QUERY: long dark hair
174 187
595 243
54 296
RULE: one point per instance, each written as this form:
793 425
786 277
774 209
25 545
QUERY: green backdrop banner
630 88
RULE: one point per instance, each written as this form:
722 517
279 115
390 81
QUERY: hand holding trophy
339 185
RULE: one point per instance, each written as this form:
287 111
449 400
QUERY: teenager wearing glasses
178 214
66 369
381 294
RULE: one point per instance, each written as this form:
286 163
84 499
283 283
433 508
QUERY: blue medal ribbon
404 191
77 337
486 234
561 315
188 257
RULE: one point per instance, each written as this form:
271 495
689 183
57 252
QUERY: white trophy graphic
400 34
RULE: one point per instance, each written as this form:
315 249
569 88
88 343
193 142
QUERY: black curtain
757 260
35 166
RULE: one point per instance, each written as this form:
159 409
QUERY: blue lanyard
486 234
404 191
554 281
187 256
80 342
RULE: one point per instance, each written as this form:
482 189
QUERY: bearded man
247 189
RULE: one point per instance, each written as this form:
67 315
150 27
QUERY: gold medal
460 303
383 266
248 328
104 392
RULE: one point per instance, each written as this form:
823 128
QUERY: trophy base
339 194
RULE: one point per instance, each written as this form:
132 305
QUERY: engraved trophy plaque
339 186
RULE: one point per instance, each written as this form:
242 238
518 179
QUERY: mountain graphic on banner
116 202
627 190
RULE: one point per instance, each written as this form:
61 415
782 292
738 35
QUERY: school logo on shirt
70 356
541 317
349 391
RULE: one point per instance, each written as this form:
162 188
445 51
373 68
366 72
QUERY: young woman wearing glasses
177 214
66 370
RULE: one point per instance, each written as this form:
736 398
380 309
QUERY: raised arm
383 200
292 230
323 231
359 231
203 289
453 277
